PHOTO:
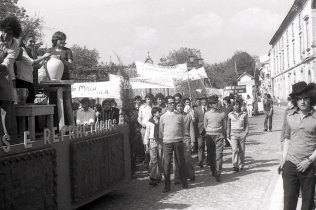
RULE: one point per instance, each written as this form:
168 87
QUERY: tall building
265 75
293 49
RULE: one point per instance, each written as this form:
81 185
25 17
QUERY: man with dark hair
177 97
227 108
214 124
299 153
108 113
136 144
144 115
171 130
85 115
199 117
160 102
268 112
10 28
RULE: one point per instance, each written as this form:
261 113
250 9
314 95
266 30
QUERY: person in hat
215 125
200 132
85 115
268 112
237 131
299 152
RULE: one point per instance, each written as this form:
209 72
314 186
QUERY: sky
131 28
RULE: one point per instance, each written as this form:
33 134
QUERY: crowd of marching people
167 130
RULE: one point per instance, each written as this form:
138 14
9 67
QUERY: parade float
65 166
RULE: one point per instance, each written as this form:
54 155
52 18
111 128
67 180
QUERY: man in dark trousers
199 116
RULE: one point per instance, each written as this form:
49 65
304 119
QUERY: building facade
265 75
293 49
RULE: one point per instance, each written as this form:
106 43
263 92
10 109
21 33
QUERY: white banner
214 91
202 73
152 71
143 82
109 89
113 77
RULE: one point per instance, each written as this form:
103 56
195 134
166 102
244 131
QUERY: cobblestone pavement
247 189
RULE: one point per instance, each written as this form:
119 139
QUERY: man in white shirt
85 115
144 115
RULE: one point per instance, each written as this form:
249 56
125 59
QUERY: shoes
165 190
176 182
236 169
185 186
265 130
201 165
213 174
192 179
153 183
218 178
270 130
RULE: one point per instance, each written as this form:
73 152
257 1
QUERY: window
288 55
309 76
299 21
293 50
307 32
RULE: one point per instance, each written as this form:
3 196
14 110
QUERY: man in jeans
268 112
171 130
237 131
215 125
299 151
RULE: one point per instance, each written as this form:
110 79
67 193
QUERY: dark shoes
153 183
214 174
201 164
185 186
235 169
218 177
265 130
165 190
192 179
176 182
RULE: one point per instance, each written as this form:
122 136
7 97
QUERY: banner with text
109 89
153 71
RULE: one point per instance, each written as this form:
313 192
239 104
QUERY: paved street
249 189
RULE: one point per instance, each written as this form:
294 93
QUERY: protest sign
152 71
110 89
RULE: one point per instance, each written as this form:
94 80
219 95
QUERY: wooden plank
31 127
60 106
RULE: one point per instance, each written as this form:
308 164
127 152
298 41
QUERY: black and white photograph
147 104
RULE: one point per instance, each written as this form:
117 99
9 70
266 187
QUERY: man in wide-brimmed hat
215 125
299 152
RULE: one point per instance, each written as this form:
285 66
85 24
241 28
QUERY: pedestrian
85 115
237 131
155 147
299 153
144 115
199 116
177 97
136 142
188 142
214 124
227 108
268 112
160 102
171 130
249 103
108 114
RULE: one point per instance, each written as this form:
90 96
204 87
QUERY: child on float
155 147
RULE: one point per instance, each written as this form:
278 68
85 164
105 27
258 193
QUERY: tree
226 73
180 56
9 7
84 56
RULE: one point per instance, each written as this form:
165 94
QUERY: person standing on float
58 50
10 28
